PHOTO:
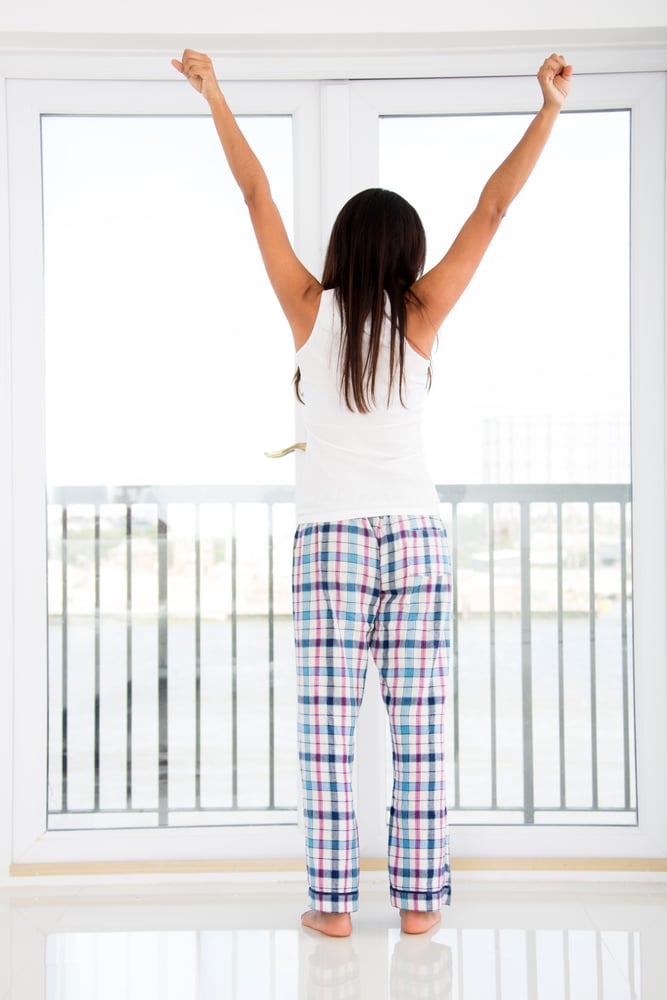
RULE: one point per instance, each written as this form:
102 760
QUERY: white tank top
360 464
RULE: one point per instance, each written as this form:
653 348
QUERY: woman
371 566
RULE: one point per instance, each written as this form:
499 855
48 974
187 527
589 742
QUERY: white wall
150 17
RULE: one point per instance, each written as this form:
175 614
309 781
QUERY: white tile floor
526 940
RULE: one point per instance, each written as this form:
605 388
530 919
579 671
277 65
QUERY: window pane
532 380
170 636
530 411
157 305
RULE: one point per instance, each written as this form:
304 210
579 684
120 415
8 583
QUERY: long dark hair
377 248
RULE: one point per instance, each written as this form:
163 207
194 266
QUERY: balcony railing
171 688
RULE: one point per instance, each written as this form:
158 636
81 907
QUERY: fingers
555 65
198 69
196 62
554 76
558 62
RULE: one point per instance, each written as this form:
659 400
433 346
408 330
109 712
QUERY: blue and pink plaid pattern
379 585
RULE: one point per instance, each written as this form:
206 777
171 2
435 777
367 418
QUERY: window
171 548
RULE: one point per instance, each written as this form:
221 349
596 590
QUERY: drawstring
299 446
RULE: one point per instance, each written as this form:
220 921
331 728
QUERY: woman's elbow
254 187
492 210
494 204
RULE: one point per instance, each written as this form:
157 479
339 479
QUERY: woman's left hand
554 76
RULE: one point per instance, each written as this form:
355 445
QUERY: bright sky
168 360
541 337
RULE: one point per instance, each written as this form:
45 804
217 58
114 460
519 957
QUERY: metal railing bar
534 492
128 656
266 493
592 649
230 809
272 728
624 656
163 494
492 659
234 637
561 653
197 656
538 809
518 808
97 706
138 810
163 666
526 669
583 809
64 643
455 653
103 810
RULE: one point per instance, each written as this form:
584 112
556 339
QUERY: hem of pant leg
419 901
333 902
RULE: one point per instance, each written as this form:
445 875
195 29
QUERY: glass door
168 364
531 412
168 368
529 441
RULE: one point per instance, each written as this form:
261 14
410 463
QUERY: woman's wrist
550 110
216 97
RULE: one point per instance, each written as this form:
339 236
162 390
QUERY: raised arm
441 287
296 288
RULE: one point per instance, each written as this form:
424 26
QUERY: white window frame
344 156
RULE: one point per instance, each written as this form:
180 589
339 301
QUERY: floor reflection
536 944
420 969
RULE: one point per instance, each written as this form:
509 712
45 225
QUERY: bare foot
418 922
331 924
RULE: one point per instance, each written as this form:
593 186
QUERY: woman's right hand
198 70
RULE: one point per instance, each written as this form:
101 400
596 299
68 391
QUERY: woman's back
360 464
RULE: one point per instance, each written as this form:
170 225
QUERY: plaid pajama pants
379 585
